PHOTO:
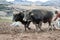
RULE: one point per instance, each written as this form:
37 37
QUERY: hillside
38 3
52 3
6 9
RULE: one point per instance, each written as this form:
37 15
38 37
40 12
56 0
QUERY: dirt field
17 33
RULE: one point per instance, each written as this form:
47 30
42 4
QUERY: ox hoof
29 28
42 30
50 29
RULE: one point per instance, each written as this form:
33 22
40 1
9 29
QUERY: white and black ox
37 16
19 17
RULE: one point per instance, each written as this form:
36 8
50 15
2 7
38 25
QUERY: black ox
38 16
19 17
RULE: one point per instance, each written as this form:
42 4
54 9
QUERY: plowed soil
8 32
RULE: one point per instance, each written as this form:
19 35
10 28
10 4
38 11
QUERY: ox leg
27 26
40 24
50 26
36 27
53 24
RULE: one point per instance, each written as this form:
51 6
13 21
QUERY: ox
38 16
19 17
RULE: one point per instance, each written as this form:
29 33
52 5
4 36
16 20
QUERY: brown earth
8 32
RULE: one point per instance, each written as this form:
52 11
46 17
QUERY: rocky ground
8 32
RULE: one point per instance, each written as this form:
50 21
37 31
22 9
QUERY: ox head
18 16
27 16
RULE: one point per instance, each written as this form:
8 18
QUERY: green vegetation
5 20
3 7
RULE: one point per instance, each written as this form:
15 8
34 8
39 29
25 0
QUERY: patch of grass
5 20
